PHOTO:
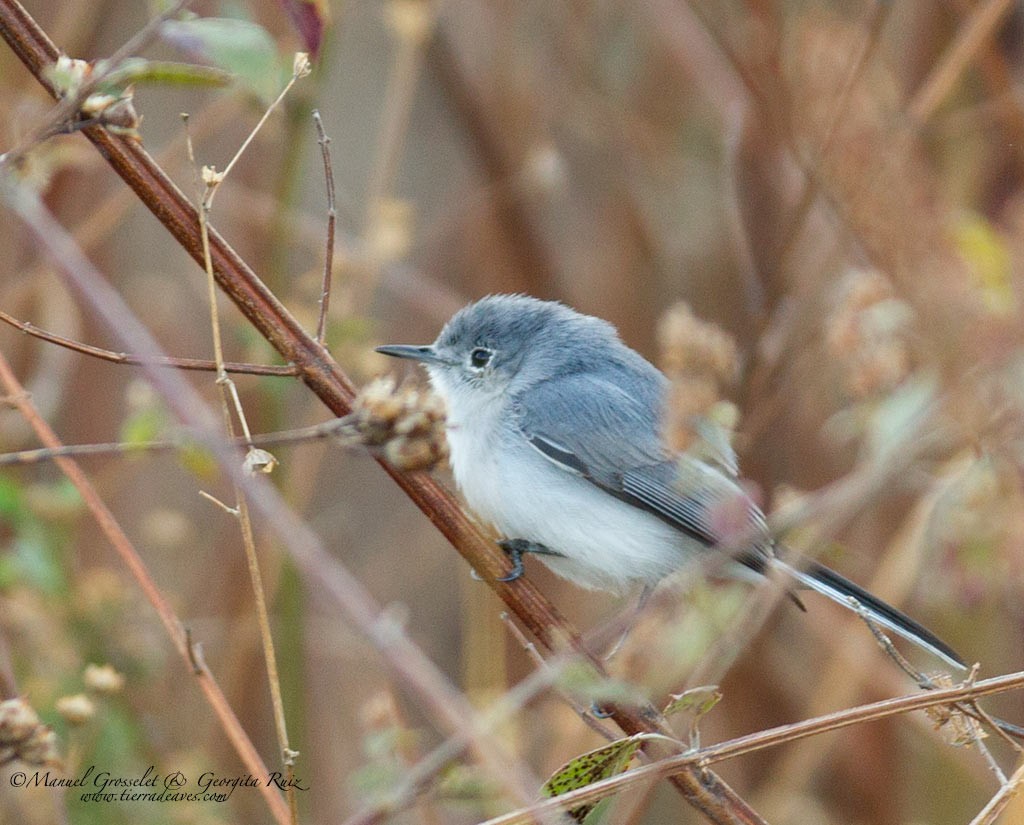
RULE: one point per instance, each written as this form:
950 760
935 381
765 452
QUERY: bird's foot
515 549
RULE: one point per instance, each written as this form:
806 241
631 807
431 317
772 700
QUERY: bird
555 433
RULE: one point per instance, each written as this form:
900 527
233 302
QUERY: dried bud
210 176
259 461
116 112
103 679
378 713
17 721
300 65
68 74
95 104
406 422
77 709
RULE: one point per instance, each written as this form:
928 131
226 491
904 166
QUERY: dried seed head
103 679
77 709
259 461
959 729
41 748
700 360
695 347
407 423
300 65
24 737
17 721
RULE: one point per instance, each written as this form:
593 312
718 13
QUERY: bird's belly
602 542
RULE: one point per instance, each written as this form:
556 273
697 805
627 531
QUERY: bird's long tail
829 583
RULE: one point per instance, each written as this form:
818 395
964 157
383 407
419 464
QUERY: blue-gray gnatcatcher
554 428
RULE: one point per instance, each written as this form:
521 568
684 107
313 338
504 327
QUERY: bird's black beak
426 354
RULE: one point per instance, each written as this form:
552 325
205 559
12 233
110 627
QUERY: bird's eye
480 357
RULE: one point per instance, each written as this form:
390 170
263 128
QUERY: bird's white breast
603 542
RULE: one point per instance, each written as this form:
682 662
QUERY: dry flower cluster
405 422
24 737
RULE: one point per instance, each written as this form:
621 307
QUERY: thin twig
961 716
332 219
300 69
997 804
230 400
588 718
337 428
199 364
421 775
925 682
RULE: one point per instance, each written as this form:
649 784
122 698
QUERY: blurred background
834 186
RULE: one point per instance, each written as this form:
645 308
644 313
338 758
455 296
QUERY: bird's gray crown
527 335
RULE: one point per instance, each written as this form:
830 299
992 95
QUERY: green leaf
238 46
167 72
147 424
588 768
12 500
698 701
198 460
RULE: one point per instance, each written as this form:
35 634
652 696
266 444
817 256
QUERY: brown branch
110 527
702 788
200 364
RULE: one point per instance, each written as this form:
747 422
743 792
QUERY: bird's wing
594 428
597 430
